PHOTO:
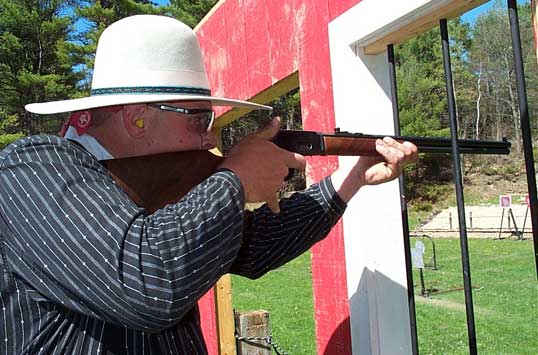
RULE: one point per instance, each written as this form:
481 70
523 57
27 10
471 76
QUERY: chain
268 339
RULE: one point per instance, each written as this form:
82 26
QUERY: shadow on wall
379 306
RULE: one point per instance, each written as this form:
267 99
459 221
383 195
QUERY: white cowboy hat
142 59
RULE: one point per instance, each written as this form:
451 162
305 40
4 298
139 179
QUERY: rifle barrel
345 143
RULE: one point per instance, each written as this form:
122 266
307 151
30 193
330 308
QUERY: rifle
345 143
157 180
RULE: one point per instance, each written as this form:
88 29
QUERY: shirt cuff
335 202
233 179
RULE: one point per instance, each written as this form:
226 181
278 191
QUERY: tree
492 60
190 11
36 60
421 80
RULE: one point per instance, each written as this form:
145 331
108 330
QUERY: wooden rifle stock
157 180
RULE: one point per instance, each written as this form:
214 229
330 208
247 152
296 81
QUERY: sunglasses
202 118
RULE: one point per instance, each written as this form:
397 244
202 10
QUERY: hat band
150 90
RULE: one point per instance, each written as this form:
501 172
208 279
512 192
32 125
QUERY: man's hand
262 166
374 170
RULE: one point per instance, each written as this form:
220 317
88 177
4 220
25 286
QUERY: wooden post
223 295
253 324
225 321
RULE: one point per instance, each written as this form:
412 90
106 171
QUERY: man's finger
295 161
269 131
391 155
273 205
413 151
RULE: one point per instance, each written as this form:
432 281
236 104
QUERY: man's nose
209 140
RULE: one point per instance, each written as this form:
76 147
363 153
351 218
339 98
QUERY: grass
287 294
505 300
505 305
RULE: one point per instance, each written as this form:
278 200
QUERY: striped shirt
86 271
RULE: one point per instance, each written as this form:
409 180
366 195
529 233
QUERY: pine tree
36 62
492 57
421 80
190 11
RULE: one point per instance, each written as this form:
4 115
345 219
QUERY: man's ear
133 121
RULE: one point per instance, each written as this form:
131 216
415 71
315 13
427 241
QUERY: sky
470 16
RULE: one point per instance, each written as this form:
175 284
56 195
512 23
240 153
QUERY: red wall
249 45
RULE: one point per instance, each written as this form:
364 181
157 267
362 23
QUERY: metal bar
501 227
465 150
459 190
525 125
514 220
403 203
422 284
524 222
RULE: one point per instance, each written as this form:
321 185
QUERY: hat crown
148 51
141 59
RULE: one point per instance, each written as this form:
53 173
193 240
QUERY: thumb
269 131
273 205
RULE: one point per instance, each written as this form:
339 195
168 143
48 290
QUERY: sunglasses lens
199 121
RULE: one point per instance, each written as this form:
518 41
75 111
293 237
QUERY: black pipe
525 125
459 190
403 203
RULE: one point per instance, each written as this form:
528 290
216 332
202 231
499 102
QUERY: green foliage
6 139
505 171
492 62
190 11
424 196
421 84
8 123
36 63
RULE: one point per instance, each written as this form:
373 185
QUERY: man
87 271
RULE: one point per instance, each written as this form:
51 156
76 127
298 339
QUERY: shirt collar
89 143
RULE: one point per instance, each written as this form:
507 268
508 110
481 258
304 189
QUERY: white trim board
373 235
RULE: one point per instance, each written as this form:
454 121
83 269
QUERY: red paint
282 44
336 8
209 322
258 67
236 47
266 41
215 55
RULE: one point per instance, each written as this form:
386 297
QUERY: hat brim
85 103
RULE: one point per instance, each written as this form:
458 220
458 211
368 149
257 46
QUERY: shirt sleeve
270 240
76 239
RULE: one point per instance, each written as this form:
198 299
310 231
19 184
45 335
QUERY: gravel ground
481 221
